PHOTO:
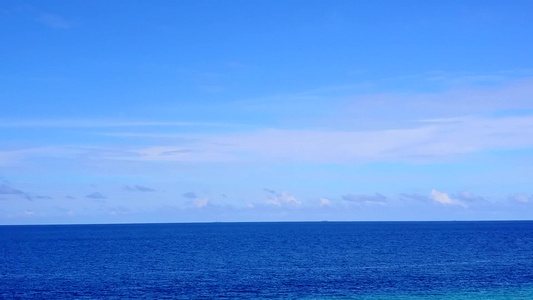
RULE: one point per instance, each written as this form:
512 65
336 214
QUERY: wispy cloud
413 198
428 142
8 190
472 78
14 156
96 196
189 195
79 123
118 210
27 213
468 197
433 141
282 199
54 21
138 188
434 127
376 199
51 20
520 198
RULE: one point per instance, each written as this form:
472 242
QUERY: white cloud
200 202
429 141
325 202
440 135
451 103
282 199
444 199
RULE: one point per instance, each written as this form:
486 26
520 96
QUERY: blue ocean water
316 260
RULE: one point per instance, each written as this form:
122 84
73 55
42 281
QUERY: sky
229 111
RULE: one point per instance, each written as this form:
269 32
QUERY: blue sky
200 111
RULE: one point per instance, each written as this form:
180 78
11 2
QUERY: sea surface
315 260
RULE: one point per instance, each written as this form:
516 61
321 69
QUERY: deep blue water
322 260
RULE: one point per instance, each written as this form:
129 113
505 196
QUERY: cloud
197 202
200 202
54 21
431 140
96 196
450 103
27 213
376 199
272 192
466 196
282 199
90 123
189 195
325 202
414 197
10 157
138 188
520 198
444 199
8 190
425 128
176 152
118 210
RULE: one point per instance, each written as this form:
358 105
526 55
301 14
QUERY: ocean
308 260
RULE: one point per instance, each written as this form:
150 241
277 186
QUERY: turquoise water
326 260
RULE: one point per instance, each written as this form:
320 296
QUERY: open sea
314 260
